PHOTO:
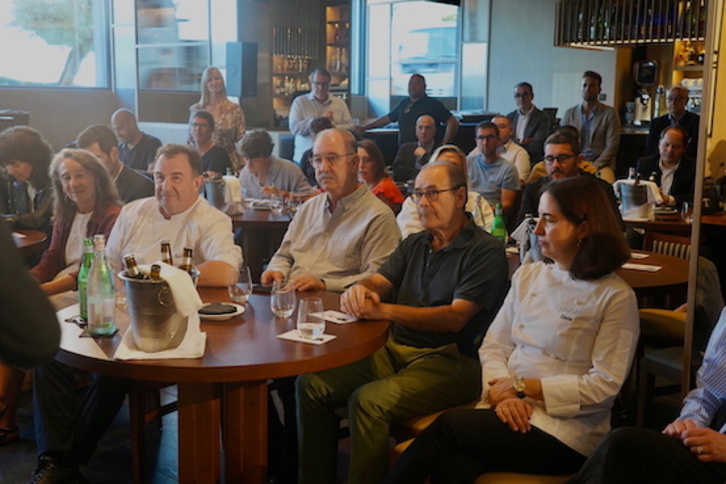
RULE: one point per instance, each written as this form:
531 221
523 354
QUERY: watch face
519 385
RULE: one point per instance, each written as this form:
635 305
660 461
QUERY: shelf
291 74
693 68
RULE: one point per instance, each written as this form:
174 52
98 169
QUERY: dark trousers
73 409
463 444
642 456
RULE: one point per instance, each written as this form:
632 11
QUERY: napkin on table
188 302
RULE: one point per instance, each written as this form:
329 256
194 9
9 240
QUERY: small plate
223 317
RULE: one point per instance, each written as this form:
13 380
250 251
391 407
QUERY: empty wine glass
687 212
240 289
282 302
310 321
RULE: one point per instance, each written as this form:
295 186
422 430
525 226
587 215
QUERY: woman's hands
516 413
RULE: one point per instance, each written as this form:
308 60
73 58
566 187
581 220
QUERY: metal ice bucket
214 192
632 196
155 323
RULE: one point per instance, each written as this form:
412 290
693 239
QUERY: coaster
86 334
294 335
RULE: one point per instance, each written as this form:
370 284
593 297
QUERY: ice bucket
155 323
214 192
633 196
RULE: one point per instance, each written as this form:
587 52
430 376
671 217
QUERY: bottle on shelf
101 292
499 228
83 277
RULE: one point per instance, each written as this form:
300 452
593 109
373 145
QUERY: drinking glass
282 301
241 289
277 204
687 212
310 322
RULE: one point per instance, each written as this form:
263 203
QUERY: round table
30 241
261 234
241 354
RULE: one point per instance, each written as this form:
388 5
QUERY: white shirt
666 180
306 108
140 228
522 121
517 156
410 223
74 244
578 337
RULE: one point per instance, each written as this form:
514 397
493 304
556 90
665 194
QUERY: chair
675 245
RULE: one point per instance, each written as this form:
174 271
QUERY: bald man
137 150
411 157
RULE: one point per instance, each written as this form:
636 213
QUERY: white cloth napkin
188 302
644 212
232 195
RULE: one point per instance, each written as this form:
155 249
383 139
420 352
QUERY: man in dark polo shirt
137 149
440 288
408 111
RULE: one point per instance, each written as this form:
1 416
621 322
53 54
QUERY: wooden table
30 241
262 233
241 354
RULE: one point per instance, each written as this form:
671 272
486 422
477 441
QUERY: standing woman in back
229 119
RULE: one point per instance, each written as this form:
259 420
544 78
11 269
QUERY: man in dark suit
531 125
101 141
677 116
411 157
671 169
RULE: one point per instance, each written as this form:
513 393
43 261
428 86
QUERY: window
54 43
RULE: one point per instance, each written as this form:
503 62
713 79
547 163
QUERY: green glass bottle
83 276
101 292
499 228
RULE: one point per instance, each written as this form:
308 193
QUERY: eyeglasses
549 159
489 136
431 195
523 94
331 160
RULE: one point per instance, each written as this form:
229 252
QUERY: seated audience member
85 204
137 149
677 116
68 426
440 288
476 206
214 158
509 150
673 172
372 171
553 360
412 156
265 174
101 141
531 125
29 330
491 175
562 160
341 237
316 126
692 448
539 169
26 155
318 102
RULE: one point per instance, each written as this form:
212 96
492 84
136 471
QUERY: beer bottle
155 272
186 263
132 270
166 253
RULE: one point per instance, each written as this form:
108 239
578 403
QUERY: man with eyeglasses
414 155
598 125
440 288
677 116
490 175
318 102
672 170
340 237
562 160
531 125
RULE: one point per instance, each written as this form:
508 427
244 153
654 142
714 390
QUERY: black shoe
50 471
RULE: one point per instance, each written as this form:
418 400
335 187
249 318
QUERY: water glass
241 289
687 212
310 322
283 299
277 204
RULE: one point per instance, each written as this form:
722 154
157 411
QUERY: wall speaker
242 69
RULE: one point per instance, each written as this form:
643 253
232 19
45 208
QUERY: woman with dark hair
86 203
372 172
554 358
229 119
25 155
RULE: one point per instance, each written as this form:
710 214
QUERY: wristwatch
519 386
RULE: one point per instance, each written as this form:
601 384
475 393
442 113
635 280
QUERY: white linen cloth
644 212
232 195
188 302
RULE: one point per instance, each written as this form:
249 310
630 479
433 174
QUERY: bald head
123 123
425 129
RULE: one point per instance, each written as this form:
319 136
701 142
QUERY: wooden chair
675 245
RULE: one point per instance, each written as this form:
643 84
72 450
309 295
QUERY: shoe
9 435
50 471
